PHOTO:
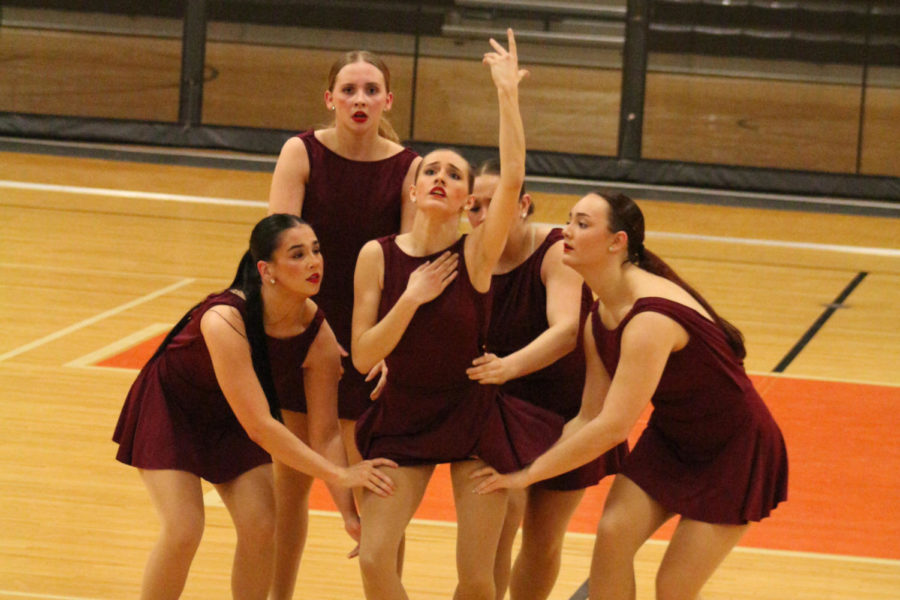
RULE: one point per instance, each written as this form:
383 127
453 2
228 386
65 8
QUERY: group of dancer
424 346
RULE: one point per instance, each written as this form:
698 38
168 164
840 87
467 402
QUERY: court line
67 189
590 185
891 252
12 594
817 325
867 250
96 318
211 498
888 384
114 193
118 346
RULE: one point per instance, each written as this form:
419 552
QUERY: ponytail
625 215
251 285
654 264
386 130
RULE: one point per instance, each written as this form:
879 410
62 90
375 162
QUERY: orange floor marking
136 356
844 463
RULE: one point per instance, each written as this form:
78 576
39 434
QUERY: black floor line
811 332
581 593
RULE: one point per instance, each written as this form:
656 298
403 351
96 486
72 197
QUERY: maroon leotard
711 451
518 316
430 411
348 203
176 417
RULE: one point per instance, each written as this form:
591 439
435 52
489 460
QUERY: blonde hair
385 129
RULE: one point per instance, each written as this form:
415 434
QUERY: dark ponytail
264 240
625 215
237 284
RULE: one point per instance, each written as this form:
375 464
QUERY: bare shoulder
371 251
293 148
663 288
650 331
222 319
324 348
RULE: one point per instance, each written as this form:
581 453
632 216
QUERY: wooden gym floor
99 256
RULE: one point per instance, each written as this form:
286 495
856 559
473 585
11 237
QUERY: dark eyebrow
438 163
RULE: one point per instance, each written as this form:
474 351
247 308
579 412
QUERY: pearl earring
610 248
272 281
332 107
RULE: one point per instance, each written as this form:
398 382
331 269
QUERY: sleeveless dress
348 203
518 316
176 417
430 411
711 451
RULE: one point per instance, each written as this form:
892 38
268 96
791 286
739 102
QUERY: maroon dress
348 203
176 417
711 451
430 411
518 316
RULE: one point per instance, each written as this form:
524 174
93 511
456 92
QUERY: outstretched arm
647 341
563 287
488 240
289 179
223 331
321 373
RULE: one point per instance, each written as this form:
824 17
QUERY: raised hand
504 63
367 474
428 281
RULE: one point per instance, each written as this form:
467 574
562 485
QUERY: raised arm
289 179
485 245
223 331
647 341
373 340
564 288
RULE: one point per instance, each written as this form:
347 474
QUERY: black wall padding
822 31
398 16
549 164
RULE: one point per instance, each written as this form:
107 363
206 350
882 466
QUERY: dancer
711 454
539 307
351 181
422 303
205 406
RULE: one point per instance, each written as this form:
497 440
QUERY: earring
524 215
272 281
332 107
610 249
